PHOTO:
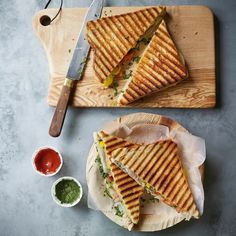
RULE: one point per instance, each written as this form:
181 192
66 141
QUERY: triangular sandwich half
114 36
158 168
160 67
118 182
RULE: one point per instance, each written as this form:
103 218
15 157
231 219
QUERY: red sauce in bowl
47 161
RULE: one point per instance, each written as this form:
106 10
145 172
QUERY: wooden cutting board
192 28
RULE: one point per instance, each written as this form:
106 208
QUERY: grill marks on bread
112 37
160 67
128 190
159 166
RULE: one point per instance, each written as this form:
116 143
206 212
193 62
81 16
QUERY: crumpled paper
192 152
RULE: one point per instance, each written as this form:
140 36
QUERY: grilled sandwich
114 36
160 67
157 167
124 191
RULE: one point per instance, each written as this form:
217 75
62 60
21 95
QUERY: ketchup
47 161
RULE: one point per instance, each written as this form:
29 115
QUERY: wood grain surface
148 222
192 28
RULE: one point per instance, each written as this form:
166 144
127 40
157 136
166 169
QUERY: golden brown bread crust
160 67
112 37
128 190
112 142
159 166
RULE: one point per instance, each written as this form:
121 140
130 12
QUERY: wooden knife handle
61 108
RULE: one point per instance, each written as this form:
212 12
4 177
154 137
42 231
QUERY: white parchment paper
192 152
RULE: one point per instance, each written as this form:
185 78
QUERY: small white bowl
53 192
35 154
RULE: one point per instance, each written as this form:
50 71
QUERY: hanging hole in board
45 20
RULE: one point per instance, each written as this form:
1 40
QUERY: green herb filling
99 162
119 212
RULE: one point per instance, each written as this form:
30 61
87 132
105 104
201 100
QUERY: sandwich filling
113 38
128 64
123 190
109 188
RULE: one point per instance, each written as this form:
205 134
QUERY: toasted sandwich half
160 67
158 168
114 36
124 191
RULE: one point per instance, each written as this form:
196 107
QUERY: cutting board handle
61 108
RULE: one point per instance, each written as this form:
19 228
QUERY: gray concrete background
26 207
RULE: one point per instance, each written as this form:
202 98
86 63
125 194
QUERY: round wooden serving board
192 29
147 222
